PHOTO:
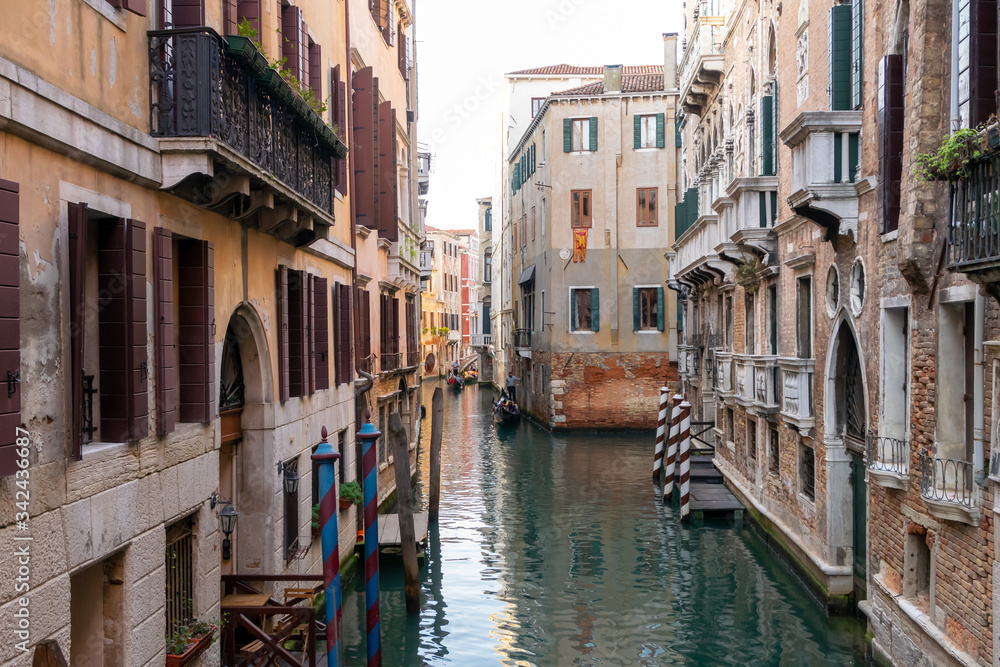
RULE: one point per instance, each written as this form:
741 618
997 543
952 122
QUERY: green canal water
555 550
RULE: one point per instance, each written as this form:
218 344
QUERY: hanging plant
954 160
746 271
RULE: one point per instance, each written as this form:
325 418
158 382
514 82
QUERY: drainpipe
955 118
978 457
360 386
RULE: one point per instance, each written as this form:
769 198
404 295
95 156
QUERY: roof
592 71
631 83
463 232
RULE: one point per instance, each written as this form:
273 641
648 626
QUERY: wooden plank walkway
709 496
388 529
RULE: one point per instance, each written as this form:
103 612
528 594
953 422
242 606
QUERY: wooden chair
292 597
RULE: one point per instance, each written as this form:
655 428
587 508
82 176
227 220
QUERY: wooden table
244 600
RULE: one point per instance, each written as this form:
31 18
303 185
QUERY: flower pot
993 136
194 649
245 50
345 503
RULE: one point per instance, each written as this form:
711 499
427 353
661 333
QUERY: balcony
796 393
480 340
426 263
703 64
687 362
235 139
696 261
522 339
755 202
825 190
757 383
454 335
724 376
974 230
948 488
888 461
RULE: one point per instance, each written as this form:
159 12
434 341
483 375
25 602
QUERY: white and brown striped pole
675 424
684 463
661 424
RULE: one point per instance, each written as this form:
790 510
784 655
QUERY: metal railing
974 230
947 480
522 338
199 89
390 361
88 408
886 454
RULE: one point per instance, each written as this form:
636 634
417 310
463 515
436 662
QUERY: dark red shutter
229 17
163 312
310 331
338 88
135 266
291 34
357 326
77 273
187 13
366 321
298 336
316 70
982 61
387 227
338 336
395 328
284 383
890 130
134 6
10 326
321 332
363 156
344 325
196 354
249 10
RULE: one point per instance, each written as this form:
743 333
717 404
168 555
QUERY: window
752 440
291 39
524 230
857 40
584 309
807 471
729 323
647 308
532 223
645 207
730 425
581 209
773 452
295 311
751 324
528 305
895 383
579 134
536 105
917 566
803 317
840 57
772 319
343 371
180 580
890 136
648 131
180 14
291 503
488 220
487 268
957 389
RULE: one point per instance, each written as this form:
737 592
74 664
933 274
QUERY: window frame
573 209
647 215
589 319
653 312
647 136
580 127
536 105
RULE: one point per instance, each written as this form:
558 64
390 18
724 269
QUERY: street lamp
290 479
227 522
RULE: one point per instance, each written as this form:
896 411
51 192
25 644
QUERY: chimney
669 60
612 78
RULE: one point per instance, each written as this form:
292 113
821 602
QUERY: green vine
746 271
953 161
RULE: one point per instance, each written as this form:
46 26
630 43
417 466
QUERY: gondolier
511 388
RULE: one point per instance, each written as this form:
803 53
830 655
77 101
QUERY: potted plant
188 642
350 494
316 527
953 161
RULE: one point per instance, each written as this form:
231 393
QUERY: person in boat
511 388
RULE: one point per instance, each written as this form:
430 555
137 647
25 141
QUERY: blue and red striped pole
326 458
369 436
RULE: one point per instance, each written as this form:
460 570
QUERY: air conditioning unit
995 465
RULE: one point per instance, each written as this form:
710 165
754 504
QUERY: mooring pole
326 458
407 534
437 423
675 424
684 440
661 422
369 435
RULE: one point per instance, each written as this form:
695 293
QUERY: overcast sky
465 48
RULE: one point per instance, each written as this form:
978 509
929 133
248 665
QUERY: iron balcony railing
886 454
947 480
522 338
390 361
974 232
201 87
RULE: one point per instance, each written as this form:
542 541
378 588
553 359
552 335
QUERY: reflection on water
554 550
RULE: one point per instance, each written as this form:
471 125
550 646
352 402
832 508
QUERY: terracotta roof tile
590 71
631 83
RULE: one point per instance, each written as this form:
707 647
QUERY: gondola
456 382
505 411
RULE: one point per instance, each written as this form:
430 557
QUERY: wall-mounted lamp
227 521
290 477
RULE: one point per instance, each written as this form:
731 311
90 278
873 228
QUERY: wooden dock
388 531
709 496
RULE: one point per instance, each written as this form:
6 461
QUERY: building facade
482 341
441 333
591 190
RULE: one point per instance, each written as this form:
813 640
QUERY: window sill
586 152
648 331
646 149
116 16
582 333
92 449
383 466
890 236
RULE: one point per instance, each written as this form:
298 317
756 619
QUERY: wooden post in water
437 423
684 440
404 507
675 423
661 422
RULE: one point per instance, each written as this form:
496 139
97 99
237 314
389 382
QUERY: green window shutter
852 155
840 57
636 131
680 219
567 135
677 132
680 316
857 51
767 136
595 310
774 207
838 157
517 177
659 308
659 130
762 202
532 158
635 309
593 133
572 310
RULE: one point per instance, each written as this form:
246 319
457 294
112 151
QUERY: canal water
555 550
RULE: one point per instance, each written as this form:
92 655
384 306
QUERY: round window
857 287
832 291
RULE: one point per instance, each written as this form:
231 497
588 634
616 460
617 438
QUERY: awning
527 276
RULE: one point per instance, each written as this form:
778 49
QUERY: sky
465 48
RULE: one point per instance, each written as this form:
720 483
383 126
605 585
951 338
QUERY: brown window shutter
339 90
187 13
387 227
115 356
196 355
284 361
229 17
77 264
135 265
890 128
357 326
134 6
297 351
291 34
982 61
249 10
316 70
367 321
10 325
163 312
310 331
345 329
363 155
395 326
321 332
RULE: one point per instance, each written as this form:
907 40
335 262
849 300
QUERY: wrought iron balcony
974 232
236 139
796 393
390 361
522 339
888 460
948 488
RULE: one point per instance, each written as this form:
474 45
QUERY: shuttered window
196 325
388 184
646 203
648 131
297 326
840 57
647 309
316 69
338 113
291 39
581 211
342 333
584 309
857 51
579 134
229 19
364 157
187 13
134 6
982 60
309 285
10 325
283 361
767 146
362 330
163 314
321 332
249 10
890 137
767 203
